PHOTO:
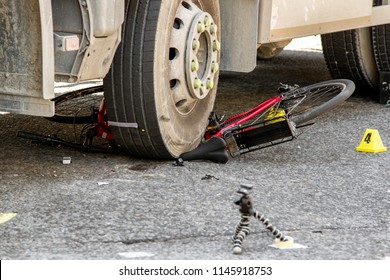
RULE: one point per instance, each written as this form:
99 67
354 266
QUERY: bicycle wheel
306 103
77 107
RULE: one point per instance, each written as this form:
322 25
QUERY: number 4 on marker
368 138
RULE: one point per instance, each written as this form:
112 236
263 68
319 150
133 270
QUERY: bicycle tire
316 99
75 107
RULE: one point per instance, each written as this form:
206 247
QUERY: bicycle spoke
309 102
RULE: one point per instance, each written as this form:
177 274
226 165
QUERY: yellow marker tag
371 142
275 117
5 217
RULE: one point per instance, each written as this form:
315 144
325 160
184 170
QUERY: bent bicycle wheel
77 107
306 103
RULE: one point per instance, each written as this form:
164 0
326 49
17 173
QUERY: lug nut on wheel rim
216 46
213 29
197 83
214 67
194 65
209 84
201 27
207 21
195 45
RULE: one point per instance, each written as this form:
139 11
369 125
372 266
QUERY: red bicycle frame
103 127
239 119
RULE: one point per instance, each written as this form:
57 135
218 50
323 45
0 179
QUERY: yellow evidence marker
284 244
371 142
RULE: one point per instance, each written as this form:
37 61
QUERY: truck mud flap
239 35
27 57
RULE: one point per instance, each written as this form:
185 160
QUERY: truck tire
349 54
381 42
162 85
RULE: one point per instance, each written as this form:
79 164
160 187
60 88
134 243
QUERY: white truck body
281 20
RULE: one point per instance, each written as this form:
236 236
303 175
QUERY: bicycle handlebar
35 137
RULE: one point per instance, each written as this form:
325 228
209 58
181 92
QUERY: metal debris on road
209 177
66 160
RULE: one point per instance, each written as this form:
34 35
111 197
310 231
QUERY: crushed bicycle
277 120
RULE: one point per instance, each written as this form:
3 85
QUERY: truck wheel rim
193 57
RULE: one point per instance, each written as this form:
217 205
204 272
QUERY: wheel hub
202 55
193 55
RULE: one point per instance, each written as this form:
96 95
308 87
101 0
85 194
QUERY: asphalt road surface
332 200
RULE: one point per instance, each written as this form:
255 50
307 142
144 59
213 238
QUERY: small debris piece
209 177
178 162
5 217
66 160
